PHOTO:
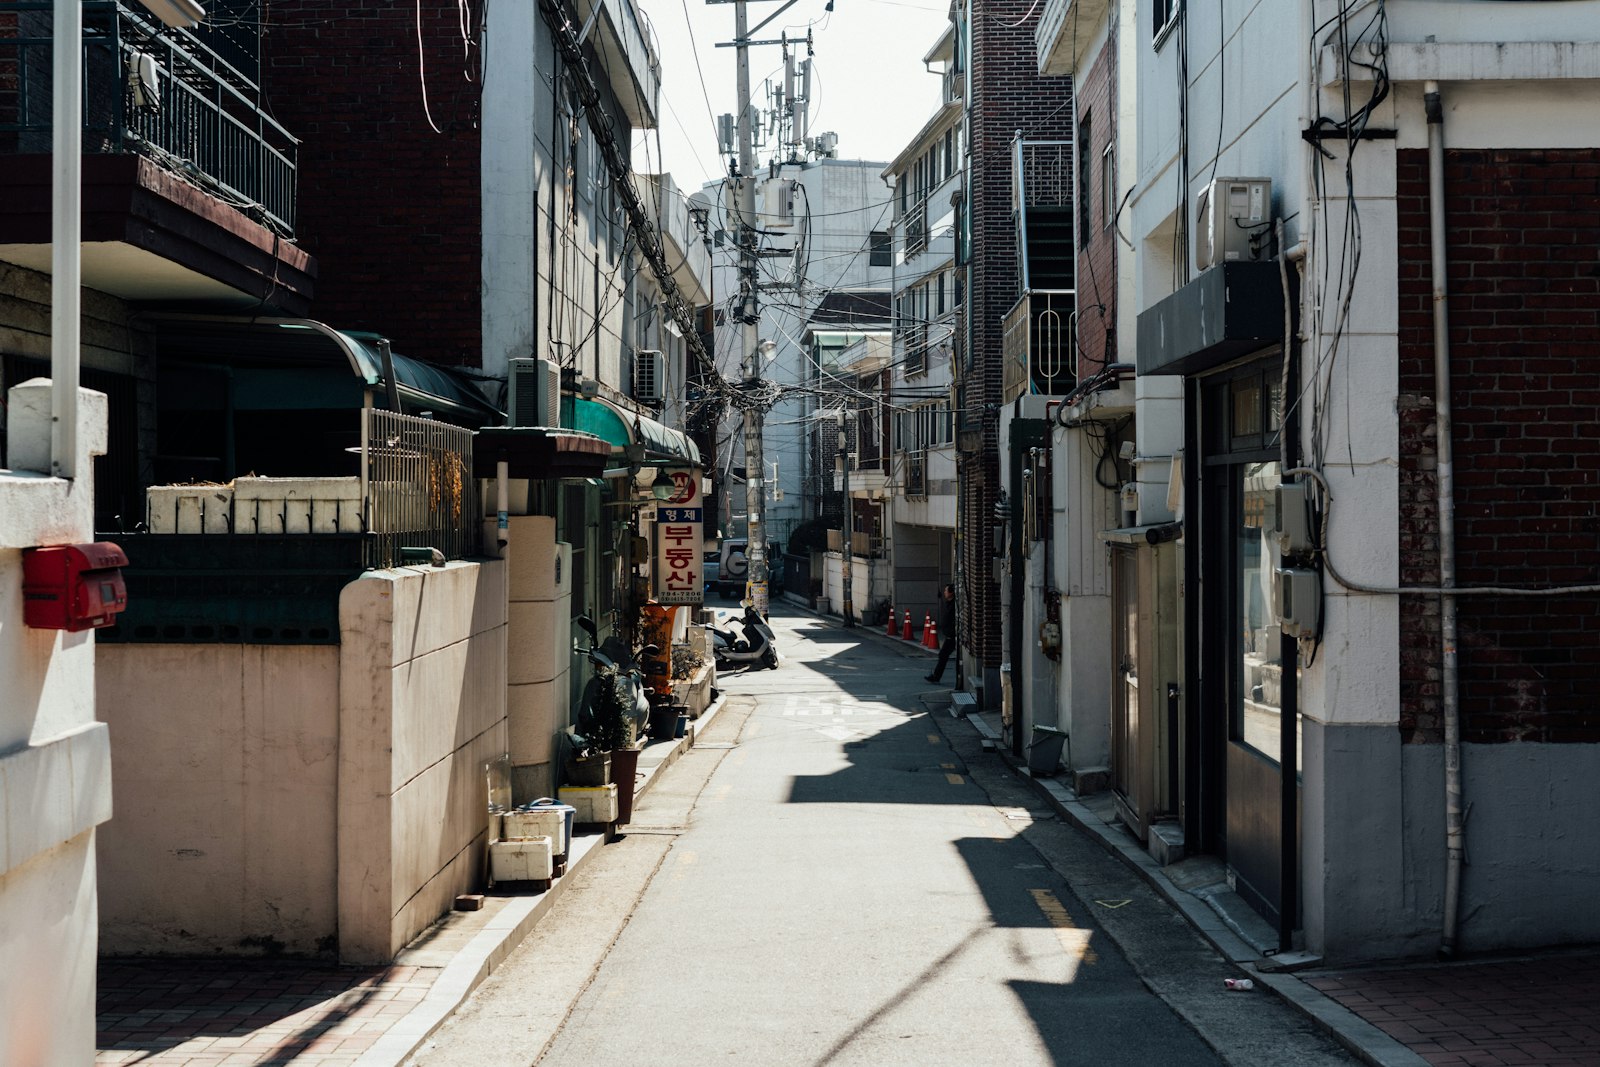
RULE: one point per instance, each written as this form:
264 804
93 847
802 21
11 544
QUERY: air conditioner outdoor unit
1231 212
649 376
534 393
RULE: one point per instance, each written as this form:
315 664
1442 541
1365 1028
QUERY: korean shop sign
680 529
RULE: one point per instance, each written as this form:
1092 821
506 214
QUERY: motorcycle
744 640
616 703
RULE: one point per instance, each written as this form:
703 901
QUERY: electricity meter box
1299 601
73 587
1232 213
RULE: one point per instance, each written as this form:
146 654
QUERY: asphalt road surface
838 874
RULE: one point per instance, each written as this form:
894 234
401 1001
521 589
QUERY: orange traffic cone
890 629
927 621
905 631
930 636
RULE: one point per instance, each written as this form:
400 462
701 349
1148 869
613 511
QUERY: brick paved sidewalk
1543 1011
212 1012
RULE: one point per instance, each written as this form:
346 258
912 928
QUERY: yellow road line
1074 940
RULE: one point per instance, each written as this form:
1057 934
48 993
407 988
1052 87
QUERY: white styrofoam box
592 803
297 505
523 859
548 822
189 509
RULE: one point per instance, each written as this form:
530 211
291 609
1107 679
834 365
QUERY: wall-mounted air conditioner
649 376
1231 213
534 393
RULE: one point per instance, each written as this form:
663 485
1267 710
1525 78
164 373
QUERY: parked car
711 570
732 569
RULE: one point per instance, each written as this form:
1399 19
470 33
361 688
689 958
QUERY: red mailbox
73 587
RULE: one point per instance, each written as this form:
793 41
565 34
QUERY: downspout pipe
66 228
1455 836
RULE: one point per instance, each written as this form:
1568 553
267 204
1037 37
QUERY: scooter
614 665
744 640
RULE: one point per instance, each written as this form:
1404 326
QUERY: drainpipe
1455 837
66 227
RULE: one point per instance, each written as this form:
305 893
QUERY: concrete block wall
422 709
225 838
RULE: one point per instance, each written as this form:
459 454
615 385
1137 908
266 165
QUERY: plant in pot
605 725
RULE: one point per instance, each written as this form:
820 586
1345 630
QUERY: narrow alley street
837 873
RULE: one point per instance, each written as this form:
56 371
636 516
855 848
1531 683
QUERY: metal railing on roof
153 91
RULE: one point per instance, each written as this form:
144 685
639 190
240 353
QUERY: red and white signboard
680 525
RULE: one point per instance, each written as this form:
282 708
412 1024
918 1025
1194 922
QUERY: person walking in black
947 631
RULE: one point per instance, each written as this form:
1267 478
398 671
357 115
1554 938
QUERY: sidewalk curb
502 934
1355 1034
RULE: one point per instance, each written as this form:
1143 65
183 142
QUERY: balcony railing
1037 346
917 473
916 224
418 487
156 92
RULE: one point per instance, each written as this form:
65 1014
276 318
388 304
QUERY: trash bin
1044 751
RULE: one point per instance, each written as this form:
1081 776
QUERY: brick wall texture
1524 263
389 207
1097 248
1008 95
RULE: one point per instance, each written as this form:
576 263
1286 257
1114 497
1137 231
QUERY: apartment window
1163 14
880 253
949 152
1109 202
939 298
1085 185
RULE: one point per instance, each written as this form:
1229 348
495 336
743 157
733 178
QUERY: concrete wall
301 798
422 709
226 833
1374 858
55 760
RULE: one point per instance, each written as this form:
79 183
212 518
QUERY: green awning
663 446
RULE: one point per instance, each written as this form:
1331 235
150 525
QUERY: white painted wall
55 760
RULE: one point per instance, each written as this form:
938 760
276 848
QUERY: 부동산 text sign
677 578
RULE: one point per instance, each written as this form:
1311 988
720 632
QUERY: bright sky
868 82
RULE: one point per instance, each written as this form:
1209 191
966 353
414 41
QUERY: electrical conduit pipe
1455 836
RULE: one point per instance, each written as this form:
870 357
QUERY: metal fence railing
1037 345
158 92
418 488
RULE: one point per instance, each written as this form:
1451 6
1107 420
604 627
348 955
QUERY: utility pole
753 350
755 467
843 452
